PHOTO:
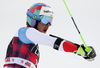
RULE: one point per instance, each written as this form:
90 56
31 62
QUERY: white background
86 14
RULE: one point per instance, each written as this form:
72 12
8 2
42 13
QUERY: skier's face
43 28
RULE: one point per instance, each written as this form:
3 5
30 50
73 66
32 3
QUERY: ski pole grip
92 53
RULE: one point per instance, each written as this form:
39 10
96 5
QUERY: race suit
23 50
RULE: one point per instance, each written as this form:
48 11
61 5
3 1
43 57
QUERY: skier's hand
90 55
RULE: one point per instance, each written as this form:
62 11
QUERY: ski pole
87 48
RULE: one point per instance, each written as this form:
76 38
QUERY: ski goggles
45 19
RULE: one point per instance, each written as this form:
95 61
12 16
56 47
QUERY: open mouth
45 30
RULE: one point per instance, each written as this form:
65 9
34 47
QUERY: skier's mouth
45 30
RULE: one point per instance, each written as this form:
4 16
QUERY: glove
88 55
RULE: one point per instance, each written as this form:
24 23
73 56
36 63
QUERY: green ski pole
87 48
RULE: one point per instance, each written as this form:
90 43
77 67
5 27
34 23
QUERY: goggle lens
46 19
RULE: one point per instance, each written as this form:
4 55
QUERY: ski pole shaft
87 49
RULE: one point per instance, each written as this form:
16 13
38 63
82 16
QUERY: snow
86 15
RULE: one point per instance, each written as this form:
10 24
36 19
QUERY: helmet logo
34 16
47 11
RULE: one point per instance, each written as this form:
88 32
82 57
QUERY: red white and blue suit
23 50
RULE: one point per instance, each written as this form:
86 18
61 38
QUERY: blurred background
86 14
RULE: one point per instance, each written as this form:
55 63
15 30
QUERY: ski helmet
39 12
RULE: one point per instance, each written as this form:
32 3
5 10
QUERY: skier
23 50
